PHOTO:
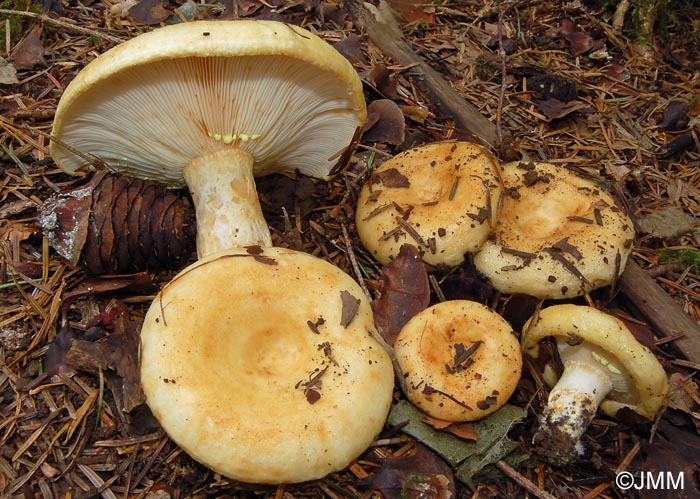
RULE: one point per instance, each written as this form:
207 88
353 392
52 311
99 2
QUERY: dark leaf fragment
116 224
421 475
150 11
404 292
391 178
350 308
385 123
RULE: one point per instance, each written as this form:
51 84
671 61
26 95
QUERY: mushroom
440 197
210 104
260 363
558 235
603 366
460 359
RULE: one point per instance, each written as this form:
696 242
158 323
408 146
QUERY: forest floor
562 82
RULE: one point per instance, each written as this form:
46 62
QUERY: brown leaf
467 431
391 178
415 113
350 307
115 354
383 81
29 52
421 475
675 116
684 395
666 223
554 108
351 49
385 123
413 11
150 11
673 455
405 291
579 42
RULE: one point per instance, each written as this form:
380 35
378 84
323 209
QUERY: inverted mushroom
603 366
461 360
441 197
210 104
558 235
261 365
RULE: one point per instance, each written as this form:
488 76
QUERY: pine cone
116 224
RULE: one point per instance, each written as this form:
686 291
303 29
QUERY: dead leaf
64 219
392 178
415 113
351 48
579 42
468 457
466 283
675 116
616 71
684 395
116 355
350 307
420 475
414 11
8 73
385 123
29 52
150 11
555 109
673 455
467 431
383 81
667 223
404 292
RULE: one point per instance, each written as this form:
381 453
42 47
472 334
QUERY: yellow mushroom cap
558 234
261 365
440 197
460 359
152 104
648 383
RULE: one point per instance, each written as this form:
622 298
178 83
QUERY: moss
687 257
17 23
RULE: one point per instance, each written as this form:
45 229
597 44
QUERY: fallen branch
382 28
62 24
661 311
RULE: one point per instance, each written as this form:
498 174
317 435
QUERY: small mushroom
558 235
603 366
260 364
440 197
460 359
210 104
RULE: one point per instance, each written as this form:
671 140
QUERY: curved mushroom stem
226 202
572 405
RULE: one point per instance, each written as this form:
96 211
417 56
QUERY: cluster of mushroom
259 362
536 229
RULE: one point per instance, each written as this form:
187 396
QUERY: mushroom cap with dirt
558 235
210 104
603 366
460 359
262 365
441 197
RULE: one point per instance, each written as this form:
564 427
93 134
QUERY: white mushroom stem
573 402
226 202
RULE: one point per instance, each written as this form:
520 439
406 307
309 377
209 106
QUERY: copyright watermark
649 480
